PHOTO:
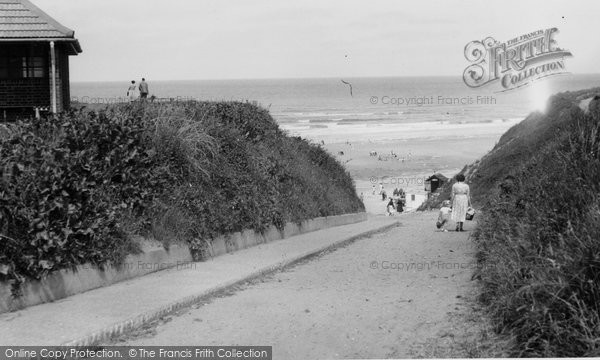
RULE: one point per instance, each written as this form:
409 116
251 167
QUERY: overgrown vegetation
538 234
73 189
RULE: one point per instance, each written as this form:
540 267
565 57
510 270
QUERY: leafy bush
73 189
58 179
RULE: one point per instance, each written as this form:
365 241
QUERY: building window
22 62
34 67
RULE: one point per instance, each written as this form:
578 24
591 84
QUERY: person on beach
444 216
132 91
391 209
400 206
143 89
461 201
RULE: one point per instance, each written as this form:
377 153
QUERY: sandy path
348 303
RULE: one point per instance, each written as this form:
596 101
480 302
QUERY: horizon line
296 78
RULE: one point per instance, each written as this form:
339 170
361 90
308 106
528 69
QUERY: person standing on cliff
143 89
131 91
461 200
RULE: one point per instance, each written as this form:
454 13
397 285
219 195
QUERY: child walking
444 216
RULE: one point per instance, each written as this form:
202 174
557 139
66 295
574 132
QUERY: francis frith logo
516 62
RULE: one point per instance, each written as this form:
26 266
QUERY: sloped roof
20 20
438 176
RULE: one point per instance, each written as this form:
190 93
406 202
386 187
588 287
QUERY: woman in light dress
132 91
461 200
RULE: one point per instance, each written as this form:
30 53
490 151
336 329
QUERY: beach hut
34 61
433 182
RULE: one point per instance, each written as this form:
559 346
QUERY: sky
256 39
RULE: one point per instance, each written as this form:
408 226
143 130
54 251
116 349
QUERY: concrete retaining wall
66 282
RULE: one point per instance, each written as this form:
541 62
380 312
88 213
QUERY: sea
333 108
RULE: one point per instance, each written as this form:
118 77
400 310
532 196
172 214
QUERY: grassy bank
75 189
538 234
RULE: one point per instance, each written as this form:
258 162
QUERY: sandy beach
421 150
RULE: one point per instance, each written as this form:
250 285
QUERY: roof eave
74 43
76 47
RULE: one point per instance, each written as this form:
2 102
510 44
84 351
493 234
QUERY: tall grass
183 138
538 236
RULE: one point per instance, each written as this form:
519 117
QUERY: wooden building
34 61
434 182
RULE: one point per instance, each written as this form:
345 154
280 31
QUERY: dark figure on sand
461 201
400 206
391 208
